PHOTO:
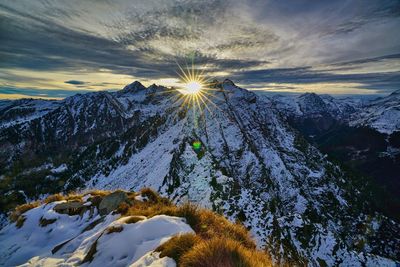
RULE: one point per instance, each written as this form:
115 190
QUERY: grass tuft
114 229
134 219
177 246
225 253
99 193
44 222
20 221
21 209
53 198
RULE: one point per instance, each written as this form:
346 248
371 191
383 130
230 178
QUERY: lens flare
193 87
196 92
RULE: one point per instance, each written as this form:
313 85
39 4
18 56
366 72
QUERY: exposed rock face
112 201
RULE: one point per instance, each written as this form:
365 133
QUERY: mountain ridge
251 165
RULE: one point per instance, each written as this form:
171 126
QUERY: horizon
267 93
55 50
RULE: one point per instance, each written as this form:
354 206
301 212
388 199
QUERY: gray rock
112 201
71 208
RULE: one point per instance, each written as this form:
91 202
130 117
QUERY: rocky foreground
102 228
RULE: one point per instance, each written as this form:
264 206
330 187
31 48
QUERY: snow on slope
313 105
32 244
24 110
251 165
382 114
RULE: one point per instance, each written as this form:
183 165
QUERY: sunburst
195 87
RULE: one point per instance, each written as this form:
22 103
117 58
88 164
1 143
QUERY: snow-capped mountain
382 114
364 135
313 105
232 152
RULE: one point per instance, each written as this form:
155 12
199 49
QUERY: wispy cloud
253 42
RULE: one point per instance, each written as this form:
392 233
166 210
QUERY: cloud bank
101 44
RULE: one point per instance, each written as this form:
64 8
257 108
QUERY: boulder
112 201
71 208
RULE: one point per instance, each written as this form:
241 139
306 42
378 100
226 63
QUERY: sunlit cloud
107 44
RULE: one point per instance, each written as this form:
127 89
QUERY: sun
192 87
195 89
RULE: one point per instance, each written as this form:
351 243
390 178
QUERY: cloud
75 82
251 41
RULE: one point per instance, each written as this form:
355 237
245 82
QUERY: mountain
381 114
364 136
123 229
232 152
314 113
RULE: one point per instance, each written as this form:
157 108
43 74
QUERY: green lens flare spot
196 145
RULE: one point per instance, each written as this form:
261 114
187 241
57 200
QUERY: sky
57 48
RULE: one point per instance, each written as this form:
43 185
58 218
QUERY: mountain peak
228 82
134 87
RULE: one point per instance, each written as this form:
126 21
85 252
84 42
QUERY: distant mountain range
255 159
364 136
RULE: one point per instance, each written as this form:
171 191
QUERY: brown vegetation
21 209
44 222
224 243
216 241
178 245
53 198
114 229
134 219
223 252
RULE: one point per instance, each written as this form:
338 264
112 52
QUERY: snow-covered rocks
45 237
48 238
382 114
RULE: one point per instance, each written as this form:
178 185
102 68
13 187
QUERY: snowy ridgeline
381 114
48 238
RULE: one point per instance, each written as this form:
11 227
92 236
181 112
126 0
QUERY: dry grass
53 198
20 221
178 245
134 219
114 229
21 209
223 252
216 242
208 224
73 197
99 193
44 222
150 194
204 222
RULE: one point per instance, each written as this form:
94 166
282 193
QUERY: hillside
123 229
362 135
233 153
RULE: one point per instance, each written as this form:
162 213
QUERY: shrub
178 245
224 253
